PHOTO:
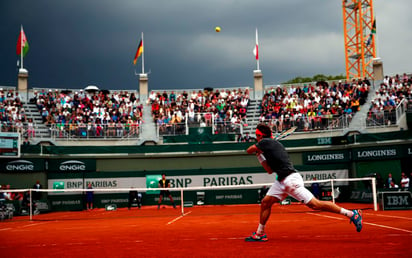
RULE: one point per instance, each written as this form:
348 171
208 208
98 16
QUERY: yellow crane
359 27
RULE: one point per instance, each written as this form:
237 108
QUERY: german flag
138 52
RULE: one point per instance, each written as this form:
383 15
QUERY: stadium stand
314 107
394 94
118 114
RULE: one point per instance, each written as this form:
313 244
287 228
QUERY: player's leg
266 209
171 200
160 201
295 188
274 194
355 216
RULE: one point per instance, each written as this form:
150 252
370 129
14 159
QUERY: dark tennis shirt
276 157
164 184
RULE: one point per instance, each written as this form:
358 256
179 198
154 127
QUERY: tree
315 78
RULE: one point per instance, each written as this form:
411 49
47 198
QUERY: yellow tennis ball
217 29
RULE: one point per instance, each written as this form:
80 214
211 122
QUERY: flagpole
142 54
21 46
257 50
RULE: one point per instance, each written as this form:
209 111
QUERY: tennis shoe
255 237
357 220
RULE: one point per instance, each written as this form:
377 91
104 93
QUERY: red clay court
207 231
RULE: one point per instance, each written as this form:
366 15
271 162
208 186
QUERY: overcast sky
75 43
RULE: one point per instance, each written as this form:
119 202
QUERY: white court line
24 226
389 216
34 224
367 223
382 226
326 216
176 219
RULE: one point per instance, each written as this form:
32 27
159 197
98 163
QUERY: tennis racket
285 134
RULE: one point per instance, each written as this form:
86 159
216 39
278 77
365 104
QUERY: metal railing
95 131
387 118
305 123
207 119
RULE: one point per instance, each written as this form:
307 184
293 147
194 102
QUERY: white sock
346 212
260 229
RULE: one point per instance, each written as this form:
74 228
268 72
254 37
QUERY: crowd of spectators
21 199
90 114
228 108
314 106
12 113
391 92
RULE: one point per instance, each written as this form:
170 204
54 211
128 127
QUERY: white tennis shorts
292 185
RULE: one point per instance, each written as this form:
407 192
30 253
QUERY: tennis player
273 157
165 183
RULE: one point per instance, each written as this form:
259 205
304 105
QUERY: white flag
256 49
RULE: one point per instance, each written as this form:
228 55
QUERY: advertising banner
319 157
396 200
22 165
152 181
71 165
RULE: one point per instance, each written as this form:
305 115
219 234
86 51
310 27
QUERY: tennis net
31 202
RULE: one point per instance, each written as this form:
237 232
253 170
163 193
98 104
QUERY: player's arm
266 167
262 160
253 149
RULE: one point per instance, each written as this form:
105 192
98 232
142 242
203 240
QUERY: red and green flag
373 30
22 44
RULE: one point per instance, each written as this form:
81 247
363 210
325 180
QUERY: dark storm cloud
80 42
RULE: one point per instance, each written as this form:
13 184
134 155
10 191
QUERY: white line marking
389 216
3 229
382 226
326 216
34 224
176 219
367 223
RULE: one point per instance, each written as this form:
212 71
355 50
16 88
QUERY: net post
181 201
31 204
375 202
333 194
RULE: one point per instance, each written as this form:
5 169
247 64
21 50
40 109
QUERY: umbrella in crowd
91 88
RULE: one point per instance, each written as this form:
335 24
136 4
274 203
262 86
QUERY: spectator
36 194
135 198
30 128
2 194
410 177
389 181
379 181
8 195
26 141
25 203
404 182
393 185
248 138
